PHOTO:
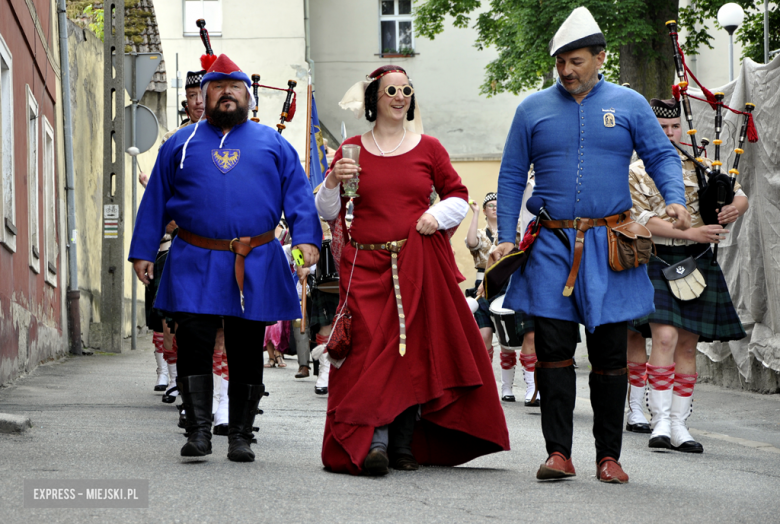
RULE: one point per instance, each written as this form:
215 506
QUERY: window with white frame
50 244
395 27
32 180
7 200
208 10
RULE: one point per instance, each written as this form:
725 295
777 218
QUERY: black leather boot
244 399
607 398
196 393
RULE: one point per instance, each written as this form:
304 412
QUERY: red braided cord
752 132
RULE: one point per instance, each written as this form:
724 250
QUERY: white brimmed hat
578 31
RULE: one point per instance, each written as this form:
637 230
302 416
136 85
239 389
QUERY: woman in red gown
426 395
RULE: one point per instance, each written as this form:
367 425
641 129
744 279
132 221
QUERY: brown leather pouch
630 244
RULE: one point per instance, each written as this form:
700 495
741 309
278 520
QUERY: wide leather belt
241 246
394 248
581 225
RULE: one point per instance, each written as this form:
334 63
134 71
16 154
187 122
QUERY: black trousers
197 334
556 340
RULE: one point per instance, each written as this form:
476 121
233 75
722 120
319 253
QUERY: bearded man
226 185
579 135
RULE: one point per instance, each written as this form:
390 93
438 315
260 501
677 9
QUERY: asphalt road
96 417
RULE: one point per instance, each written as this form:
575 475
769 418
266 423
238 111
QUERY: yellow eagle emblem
225 159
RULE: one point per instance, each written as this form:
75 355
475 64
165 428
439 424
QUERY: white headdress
577 31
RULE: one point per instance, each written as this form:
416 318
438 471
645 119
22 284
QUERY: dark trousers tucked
556 341
197 334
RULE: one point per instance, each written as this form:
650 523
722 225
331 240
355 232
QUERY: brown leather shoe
303 372
405 462
376 463
609 470
556 467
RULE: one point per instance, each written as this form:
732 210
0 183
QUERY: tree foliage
638 44
701 19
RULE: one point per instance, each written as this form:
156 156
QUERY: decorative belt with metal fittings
240 246
581 225
394 248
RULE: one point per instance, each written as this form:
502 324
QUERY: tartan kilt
323 308
711 316
482 315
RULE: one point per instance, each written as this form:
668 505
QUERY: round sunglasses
405 90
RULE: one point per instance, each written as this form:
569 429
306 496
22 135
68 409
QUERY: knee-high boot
556 382
244 399
508 366
607 394
196 392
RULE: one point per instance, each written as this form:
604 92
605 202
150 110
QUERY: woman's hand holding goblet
344 169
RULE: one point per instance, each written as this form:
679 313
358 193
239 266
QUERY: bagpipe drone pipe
716 188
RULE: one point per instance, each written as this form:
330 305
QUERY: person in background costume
579 135
225 184
481 245
417 386
677 326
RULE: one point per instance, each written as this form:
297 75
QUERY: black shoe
376 463
535 404
161 387
196 393
638 428
320 391
220 429
182 416
244 399
508 398
660 442
689 447
404 462
169 397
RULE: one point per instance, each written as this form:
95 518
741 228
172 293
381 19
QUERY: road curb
14 423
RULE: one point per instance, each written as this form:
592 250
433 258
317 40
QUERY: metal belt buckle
576 222
394 247
231 245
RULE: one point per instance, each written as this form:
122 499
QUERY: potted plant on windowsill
404 52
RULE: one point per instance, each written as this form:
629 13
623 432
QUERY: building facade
33 325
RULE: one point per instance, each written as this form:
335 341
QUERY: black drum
326 278
504 323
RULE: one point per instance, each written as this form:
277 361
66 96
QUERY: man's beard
228 119
584 87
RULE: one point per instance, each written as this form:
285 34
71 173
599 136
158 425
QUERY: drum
326 278
504 324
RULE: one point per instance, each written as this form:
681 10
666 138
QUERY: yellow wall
480 177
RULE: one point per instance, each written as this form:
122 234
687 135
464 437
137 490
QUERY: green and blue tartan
482 315
711 316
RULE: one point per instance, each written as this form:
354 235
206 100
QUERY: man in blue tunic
580 134
225 184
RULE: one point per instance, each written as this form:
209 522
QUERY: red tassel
291 111
206 61
752 132
676 92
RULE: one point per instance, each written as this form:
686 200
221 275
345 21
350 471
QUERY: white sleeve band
328 202
450 212
740 193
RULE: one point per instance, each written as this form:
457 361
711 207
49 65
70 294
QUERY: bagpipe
716 188
288 108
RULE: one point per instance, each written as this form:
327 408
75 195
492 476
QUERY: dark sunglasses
405 90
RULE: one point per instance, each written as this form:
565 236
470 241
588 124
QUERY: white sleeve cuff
645 216
328 202
449 212
740 193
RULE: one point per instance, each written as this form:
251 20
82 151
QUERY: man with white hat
226 185
580 134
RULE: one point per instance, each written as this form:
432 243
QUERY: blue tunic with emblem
238 189
580 153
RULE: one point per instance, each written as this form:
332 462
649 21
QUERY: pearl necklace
384 153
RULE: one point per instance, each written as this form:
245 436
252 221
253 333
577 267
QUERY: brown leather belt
240 246
394 248
581 225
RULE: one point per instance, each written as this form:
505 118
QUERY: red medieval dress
445 369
